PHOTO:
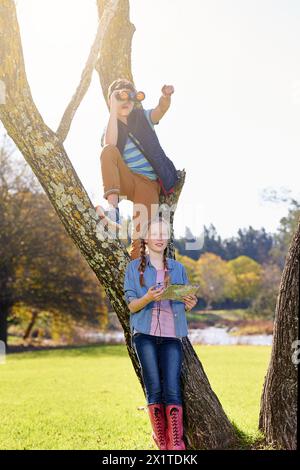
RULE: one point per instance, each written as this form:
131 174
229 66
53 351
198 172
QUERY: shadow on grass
250 442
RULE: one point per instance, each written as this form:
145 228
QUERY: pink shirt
166 325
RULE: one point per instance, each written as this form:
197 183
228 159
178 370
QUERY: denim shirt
141 320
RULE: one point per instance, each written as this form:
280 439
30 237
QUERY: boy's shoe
113 213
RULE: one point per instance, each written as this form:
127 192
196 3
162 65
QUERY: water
221 336
111 337
210 335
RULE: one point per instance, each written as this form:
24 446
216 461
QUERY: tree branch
86 75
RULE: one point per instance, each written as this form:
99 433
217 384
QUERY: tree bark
278 412
206 425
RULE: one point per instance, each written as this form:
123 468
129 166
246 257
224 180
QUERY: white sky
234 118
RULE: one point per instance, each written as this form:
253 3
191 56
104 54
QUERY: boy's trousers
142 191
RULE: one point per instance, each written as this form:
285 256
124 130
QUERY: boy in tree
126 173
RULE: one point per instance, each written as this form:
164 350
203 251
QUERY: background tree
13 222
287 227
247 274
256 244
264 302
46 271
214 277
190 266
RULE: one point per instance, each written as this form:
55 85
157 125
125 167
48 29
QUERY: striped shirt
133 157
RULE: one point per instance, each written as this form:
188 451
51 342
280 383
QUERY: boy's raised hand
167 90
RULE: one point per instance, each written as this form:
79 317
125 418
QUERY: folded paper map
178 291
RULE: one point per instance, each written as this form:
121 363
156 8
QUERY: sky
233 124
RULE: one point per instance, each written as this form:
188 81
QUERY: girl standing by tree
157 328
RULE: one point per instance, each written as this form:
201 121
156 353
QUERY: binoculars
130 95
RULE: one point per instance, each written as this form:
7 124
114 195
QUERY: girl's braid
166 268
142 264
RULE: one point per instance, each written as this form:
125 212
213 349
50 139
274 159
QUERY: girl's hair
142 265
119 84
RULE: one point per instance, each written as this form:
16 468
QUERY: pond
210 335
221 336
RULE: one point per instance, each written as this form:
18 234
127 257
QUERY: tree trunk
206 425
278 413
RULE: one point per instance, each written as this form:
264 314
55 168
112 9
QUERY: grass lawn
88 398
229 314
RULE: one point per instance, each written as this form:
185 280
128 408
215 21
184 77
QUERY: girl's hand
154 293
190 302
167 90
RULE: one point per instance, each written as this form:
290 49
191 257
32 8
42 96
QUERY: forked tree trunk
278 413
206 425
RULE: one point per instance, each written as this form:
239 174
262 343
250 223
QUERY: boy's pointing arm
163 105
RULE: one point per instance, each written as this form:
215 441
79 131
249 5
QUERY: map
178 291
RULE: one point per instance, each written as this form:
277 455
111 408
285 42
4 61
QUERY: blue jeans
160 358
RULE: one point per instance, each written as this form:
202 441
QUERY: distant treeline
242 271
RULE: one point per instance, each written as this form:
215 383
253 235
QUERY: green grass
88 398
236 374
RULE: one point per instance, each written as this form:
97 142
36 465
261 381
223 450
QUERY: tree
287 227
190 266
278 412
264 302
13 193
247 273
206 425
214 277
255 244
